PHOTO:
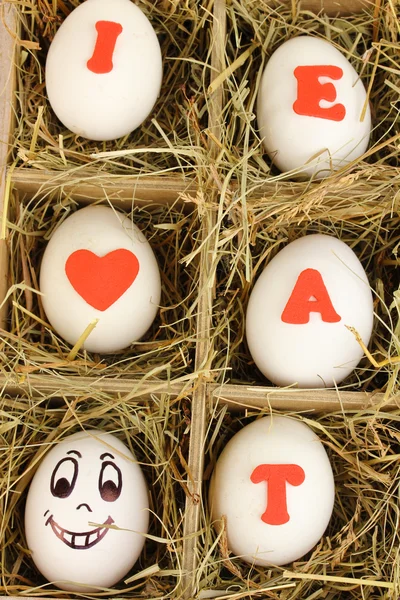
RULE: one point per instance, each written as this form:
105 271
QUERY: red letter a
310 92
309 285
276 477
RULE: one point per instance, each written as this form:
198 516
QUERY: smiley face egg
87 512
99 268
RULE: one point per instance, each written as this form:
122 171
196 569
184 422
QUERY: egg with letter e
312 108
87 512
104 69
274 485
99 266
298 311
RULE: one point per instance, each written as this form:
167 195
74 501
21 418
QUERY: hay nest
358 555
157 433
169 141
31 345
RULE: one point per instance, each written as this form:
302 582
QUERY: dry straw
168 142
260 210
157 428
257 211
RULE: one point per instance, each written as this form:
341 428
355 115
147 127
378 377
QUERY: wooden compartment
155 430
163 143
202 193
173 233
355 440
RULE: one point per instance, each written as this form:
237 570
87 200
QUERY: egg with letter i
300 309
104 69
274 485
87 512
98 268
312 109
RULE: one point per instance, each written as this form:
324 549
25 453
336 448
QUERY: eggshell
274 484
98 265
103 80
88 479
299 128
319 351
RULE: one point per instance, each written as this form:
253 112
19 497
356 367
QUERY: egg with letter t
99 268
273 483
87 512
300 309
104 69
312 108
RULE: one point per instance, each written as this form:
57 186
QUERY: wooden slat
237 397
84 187
330 7
7 87
62 386
204 353
241 397
27 596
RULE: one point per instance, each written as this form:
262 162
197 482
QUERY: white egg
310 108
298 311
87 512
274 484
98 265
104 69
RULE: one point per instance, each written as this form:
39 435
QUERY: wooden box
203 378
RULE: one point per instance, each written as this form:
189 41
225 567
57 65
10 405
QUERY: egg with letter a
298 311
312 108
274 485
99 267
104 69
87 512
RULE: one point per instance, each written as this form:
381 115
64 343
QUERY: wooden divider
242 397
8 41
330 7
204 323
85 188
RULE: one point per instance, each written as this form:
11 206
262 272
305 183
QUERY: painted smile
79 541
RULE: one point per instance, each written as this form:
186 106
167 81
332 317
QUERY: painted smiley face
87 494
62 484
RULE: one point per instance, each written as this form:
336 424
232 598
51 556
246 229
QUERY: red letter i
107 33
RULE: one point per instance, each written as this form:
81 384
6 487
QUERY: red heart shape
101 280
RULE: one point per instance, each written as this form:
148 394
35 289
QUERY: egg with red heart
87 512
99 269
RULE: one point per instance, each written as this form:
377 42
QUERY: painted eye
64 477
110 482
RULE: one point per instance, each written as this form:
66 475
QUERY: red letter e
310 92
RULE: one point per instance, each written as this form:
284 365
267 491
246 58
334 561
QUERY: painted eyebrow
75 452
103 456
